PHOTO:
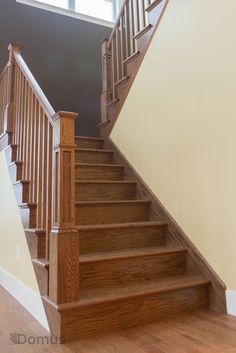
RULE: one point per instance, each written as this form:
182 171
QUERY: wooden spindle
127 31
10 104
106 79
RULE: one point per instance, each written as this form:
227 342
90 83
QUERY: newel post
106 79
9 111
64 241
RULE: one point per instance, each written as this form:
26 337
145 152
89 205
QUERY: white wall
16 270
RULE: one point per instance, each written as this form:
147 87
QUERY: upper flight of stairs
130 274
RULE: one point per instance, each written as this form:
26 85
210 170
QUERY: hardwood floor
201 332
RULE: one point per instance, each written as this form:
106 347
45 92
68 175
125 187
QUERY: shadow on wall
63 54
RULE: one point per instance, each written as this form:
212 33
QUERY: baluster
136 16
49 187
127 31
123 45
132 28
143 14
36 147
26 132
64 240
10 104
114 66
106 79
118 54
39 169
44 174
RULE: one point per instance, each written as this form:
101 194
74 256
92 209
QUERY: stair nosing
197 281
100 165
161 250
110 202
84 181
122 225
41 263
89 138
94 150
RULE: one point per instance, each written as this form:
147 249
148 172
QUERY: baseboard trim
31 301
231 302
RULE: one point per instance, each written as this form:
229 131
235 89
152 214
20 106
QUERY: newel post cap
62 114
14 49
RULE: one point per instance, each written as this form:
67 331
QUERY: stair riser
42 278
87 143
105 192
5 140
21 192
37 244
28 217
15 171
112 213
94 319
98 173
131 270
94 157
121 239
10 153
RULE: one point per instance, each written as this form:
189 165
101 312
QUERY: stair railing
45 145
121 47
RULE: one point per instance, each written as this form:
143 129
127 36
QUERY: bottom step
111 309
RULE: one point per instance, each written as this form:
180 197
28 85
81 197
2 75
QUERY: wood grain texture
36 239
105 190
89 142
146 308
131 266
175 234
201 331
121 237
99 212
83 155
84 171
21 189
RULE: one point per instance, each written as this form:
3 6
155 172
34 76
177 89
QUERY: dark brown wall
63 53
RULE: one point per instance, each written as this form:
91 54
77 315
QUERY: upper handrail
44 102
125 2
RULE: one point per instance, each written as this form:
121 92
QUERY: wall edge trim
25 296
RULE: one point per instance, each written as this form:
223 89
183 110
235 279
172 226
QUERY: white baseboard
25 296
231 302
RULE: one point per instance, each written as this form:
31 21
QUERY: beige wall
178 125
12 235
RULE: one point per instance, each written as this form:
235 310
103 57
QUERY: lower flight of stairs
130 274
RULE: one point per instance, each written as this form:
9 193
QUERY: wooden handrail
48 109
45 155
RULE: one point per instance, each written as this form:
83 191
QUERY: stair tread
94 165
106 181
87 203
95 150
115 293
121 225
135 252
89 138
41 262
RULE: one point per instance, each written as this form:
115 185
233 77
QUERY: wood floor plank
200 332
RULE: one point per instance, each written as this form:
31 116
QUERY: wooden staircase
130 273
106 253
